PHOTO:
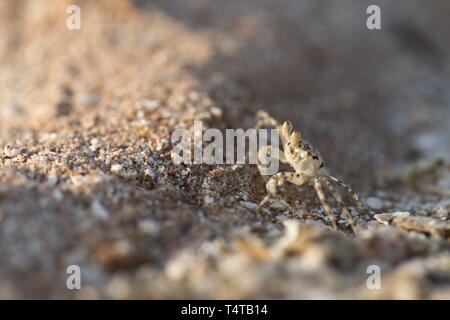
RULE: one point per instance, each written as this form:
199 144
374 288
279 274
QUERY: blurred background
366 97
373 102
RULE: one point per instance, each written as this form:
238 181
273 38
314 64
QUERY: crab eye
287 128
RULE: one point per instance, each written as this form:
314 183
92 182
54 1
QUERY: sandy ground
86 176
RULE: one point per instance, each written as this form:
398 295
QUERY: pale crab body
307 164
304 160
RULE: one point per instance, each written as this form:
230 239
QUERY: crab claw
295 138
262 114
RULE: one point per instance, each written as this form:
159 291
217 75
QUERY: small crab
307 164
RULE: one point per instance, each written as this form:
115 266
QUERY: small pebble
58 195
52 181
249 205
149 104
316 223
11 151
116 168
385 218
300 213
208 200
372 224
149 172
374 203
77 181
99 210
148 226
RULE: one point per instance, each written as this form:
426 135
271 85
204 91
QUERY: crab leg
338 198
279 179
352 193
264 120
326 207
